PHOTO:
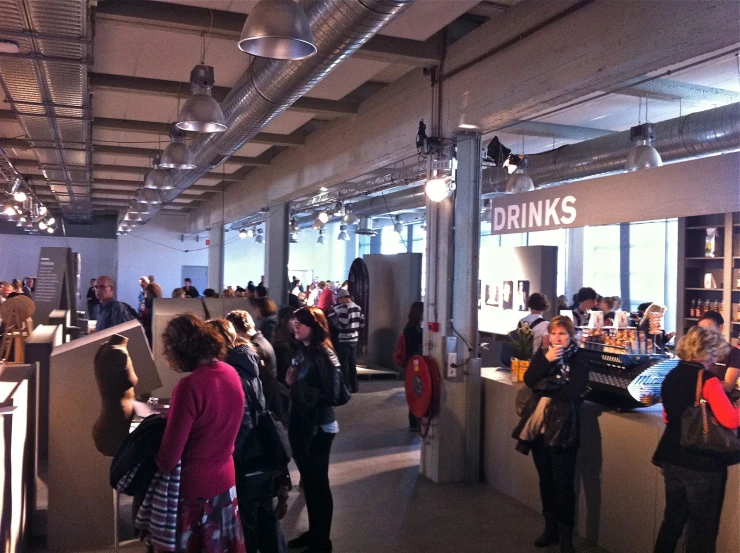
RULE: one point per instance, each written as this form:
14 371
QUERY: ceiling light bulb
42 225
51 221
177 155
277 29
343 235
323 217
242 234
250 233
201 112
43 210
438 189
50 230
20 196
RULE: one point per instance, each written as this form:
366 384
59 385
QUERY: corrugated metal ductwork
269 87
47 87
698 134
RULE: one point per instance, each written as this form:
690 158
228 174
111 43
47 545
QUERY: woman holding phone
550 428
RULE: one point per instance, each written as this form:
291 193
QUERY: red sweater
204 417
725 413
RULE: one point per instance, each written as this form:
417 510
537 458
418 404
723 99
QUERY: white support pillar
451 452
277 252
216 259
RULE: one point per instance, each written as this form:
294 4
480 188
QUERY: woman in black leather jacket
550 428
313 425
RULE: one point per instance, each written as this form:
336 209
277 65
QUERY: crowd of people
549 426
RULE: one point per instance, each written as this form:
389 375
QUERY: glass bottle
706 306
692 309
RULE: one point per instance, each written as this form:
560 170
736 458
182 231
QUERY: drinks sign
696 187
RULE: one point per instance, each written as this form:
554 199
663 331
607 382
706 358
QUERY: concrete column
216 259
574 269
451 452
276 252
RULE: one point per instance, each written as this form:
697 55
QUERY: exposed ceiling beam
554 130
109 188
295 139
149 153
191 19
140 85
114 184
666 89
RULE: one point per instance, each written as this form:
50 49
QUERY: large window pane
601 265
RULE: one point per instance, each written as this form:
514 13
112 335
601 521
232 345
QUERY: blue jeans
261 529
693 499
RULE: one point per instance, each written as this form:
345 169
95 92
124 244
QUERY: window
601 264
392 242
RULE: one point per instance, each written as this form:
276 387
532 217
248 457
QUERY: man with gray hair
112 312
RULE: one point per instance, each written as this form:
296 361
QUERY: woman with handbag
313 425
550 428
694 478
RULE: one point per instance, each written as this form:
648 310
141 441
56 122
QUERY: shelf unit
724 268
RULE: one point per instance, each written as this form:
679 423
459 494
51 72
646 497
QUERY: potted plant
521 341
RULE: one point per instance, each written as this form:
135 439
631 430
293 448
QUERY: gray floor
382 504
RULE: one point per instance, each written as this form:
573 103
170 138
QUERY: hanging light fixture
139 208
343 235
338 210
260 238
50 230
398 226
322 238
158 178
486 216
201 113
43 210
9 208
293 237
177 155
43 225
50 221
148 196
520 181
349 217
439 188
642 155
242 234
20 196
251 232
323 216
277 29
318 224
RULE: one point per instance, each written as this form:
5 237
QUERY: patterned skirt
210 525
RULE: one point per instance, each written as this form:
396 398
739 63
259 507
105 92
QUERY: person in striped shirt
348 319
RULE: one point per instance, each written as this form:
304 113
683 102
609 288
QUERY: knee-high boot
566 539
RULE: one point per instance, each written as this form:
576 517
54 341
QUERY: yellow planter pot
518 368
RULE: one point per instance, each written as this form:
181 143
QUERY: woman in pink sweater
205 414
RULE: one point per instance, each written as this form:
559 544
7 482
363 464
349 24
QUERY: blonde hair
242 321
562 321
703 345
225 329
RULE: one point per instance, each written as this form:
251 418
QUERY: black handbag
267 444
341 394
701 432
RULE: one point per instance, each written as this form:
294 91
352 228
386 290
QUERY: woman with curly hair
313 426
205 414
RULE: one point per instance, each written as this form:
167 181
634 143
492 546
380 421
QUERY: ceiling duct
365 227
269 87
46 86
698 134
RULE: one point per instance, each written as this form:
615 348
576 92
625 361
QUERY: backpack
507 350
399 356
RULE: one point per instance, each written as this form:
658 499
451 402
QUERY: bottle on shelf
706 307
714 306
692 309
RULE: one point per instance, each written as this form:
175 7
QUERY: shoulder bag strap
697 398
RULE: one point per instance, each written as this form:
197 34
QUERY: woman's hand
291 376
554 353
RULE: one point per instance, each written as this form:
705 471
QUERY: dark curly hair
188 340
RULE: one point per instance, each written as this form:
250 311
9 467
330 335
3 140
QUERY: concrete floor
382 504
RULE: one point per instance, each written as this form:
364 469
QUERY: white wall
244 260
19 256
329 261
157 249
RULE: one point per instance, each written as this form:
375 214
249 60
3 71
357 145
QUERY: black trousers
556 468
314 471
693 499
347 353
261 529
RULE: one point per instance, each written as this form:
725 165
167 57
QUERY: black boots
566 539
550 534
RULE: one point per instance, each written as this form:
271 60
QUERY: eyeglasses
102 286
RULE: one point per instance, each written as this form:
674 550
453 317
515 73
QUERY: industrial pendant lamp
318 222
243 234
642 155
158 178
201 113
177 155
398 226
520 181
148 196
322 238
349 217
9 208
277 29
260 238
343 234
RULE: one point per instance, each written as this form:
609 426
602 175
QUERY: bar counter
620 496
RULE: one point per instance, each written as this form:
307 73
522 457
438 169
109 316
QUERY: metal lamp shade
277 29
148 196
158 179
322 238
349 217
260 238
177 156
138 208
201 113
642 156
343 235
293 237
520 181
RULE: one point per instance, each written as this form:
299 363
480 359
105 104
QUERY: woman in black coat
550 428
